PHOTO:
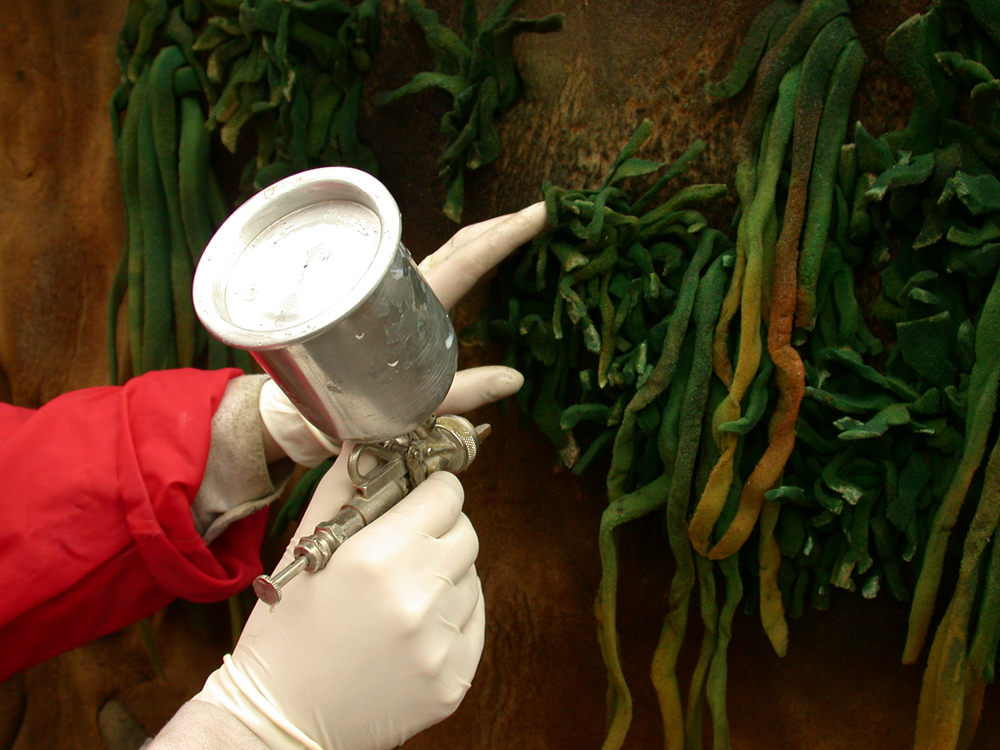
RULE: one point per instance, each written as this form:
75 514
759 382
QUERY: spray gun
311 277
446 443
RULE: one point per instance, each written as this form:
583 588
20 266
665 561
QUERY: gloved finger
459 240
466 651
432 508
458 548
476 625
459 601
455 268
333 490
478 386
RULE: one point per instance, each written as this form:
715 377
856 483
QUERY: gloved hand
450 272
377 646
385 640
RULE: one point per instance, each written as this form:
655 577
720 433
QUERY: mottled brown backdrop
542 684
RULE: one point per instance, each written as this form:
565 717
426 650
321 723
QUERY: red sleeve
96 530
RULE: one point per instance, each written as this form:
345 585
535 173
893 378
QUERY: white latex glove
475 250
450 272
379 645
294 434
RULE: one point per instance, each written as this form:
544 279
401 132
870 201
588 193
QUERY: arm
96 524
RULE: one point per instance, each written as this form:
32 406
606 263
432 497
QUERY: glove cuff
232 691
293 433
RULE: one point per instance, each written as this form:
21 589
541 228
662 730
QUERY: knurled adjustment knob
464 432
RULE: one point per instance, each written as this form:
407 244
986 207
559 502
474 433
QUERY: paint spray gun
311 277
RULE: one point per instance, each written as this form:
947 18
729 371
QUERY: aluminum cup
311 277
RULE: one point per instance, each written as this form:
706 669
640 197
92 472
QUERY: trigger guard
382 456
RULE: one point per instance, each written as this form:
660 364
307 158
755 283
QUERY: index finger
432 507
473 251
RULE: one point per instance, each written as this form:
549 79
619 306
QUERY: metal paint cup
311 277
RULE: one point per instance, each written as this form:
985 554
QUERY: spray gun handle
446 443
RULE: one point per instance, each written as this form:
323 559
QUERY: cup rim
260 212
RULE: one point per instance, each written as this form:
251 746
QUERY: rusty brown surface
59 199
542 683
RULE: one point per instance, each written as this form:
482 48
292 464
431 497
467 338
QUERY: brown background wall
542 683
